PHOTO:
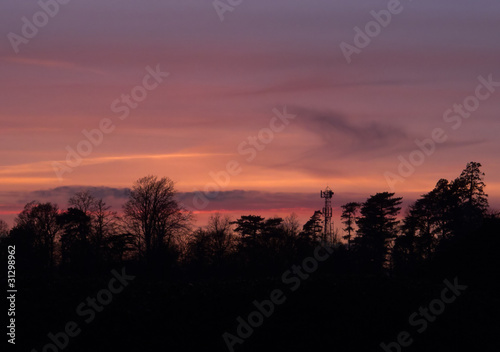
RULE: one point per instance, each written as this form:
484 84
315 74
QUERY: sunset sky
226 82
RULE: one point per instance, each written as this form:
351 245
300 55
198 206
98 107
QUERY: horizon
225 202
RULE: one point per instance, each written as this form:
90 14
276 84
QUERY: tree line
157 234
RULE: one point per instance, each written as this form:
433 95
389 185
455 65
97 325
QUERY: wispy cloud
23 171
49 63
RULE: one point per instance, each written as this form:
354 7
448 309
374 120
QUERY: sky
263 95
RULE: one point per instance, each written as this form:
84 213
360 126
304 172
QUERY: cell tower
327 213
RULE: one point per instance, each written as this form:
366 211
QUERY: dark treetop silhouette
192 283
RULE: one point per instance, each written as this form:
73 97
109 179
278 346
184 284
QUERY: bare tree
83 201
40 220
103 221
154 215
291 226
222 239
4 229
211 245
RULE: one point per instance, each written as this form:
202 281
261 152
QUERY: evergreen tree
249 227
378 227
313 228
470 187
348 216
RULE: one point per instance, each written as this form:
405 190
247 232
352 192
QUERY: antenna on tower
327 194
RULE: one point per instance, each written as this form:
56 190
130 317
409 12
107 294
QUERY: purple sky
352 121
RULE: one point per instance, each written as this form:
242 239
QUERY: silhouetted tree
311 231
249 227
451 208
37 227
272 230
75 244
404 256
120 246
348 216
4 238
471 187
291 233
104 223
211 245
154 215
199 250
221 236
417 240
291 226
264 243
105 226
377 227
441 206
83 201
4 229
274 241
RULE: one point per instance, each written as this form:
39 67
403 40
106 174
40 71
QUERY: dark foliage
192 284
